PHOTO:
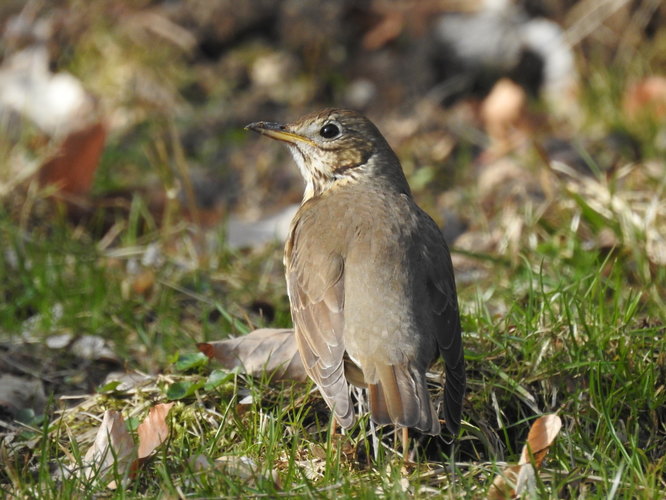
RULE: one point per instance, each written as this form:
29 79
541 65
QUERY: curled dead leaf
267 350
516 480
153 431
113 450
543 432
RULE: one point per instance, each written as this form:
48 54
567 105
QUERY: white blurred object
547 39
56 102
487 38
242 234
497 42
360 92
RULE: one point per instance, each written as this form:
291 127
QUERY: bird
369 277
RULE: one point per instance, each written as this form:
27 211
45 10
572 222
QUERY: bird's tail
400 397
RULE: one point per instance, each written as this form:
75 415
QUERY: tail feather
401 397
378 408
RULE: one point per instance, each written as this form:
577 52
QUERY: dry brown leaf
72 168
154 430
543 432
267 350
516 480
63 109
113 449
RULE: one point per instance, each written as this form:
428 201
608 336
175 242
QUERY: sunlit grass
579 336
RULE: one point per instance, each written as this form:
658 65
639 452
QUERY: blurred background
107 102
135 210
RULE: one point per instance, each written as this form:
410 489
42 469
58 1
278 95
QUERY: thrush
369 276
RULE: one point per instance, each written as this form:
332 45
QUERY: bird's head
334 146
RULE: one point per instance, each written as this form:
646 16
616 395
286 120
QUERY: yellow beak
278 131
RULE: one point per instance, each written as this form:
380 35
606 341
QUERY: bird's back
389 250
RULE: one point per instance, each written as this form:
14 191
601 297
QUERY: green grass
578 334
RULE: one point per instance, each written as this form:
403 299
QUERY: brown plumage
369 276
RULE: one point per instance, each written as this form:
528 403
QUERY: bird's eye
329 131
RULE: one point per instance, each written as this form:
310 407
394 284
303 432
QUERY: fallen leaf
516 480
61 107
113 450
543 432
154 430
267 350
72 168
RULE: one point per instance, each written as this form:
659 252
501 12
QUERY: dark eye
329 131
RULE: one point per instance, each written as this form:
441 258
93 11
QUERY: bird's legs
405 444
404 439
334 425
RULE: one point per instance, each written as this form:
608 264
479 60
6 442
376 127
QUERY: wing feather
444 300
316 291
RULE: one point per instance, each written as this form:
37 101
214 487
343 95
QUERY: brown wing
447 319
315 281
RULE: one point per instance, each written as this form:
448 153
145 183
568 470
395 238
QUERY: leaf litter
114 452
267 350
518 480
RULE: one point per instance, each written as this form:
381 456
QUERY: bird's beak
278 131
